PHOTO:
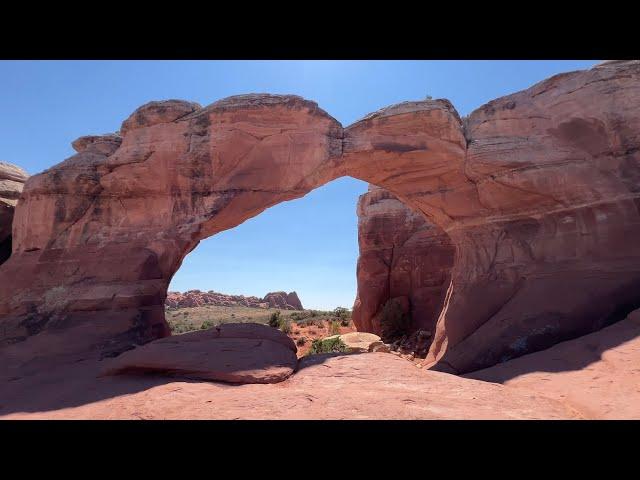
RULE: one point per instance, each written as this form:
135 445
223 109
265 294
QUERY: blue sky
308 245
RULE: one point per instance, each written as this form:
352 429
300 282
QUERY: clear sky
308 245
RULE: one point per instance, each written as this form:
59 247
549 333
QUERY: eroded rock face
99 236
12 180
232 353
549 253
537 191
402 256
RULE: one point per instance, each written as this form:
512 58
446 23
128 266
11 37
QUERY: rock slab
597 374
356 386
232 353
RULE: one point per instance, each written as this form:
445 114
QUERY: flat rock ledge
232 353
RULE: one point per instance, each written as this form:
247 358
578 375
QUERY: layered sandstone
12 180
354 386
403 257
537 191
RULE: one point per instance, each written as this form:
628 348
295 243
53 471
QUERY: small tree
328 345
344 315
394 322
334 328
285 326
274 320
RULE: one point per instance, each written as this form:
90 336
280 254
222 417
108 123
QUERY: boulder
358 341
232 353
104 144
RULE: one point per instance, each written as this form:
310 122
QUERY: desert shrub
327 345
343 315
274 320
393 321
301 341
207 324
341 312
334 328
181 326
285 326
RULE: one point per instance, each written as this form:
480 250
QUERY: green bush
274 320
181 326
206 324
285 326
327 345
393 321
334 328
278 321
341 312
343 315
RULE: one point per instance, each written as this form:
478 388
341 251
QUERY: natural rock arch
537 191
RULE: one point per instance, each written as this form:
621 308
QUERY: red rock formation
12 180
547 251
232 353
294 301
196 298
283 300
538 191
403 257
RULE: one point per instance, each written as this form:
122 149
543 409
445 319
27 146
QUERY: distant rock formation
197 298
12 180
286 301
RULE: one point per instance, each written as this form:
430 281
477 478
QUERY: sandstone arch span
538 192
